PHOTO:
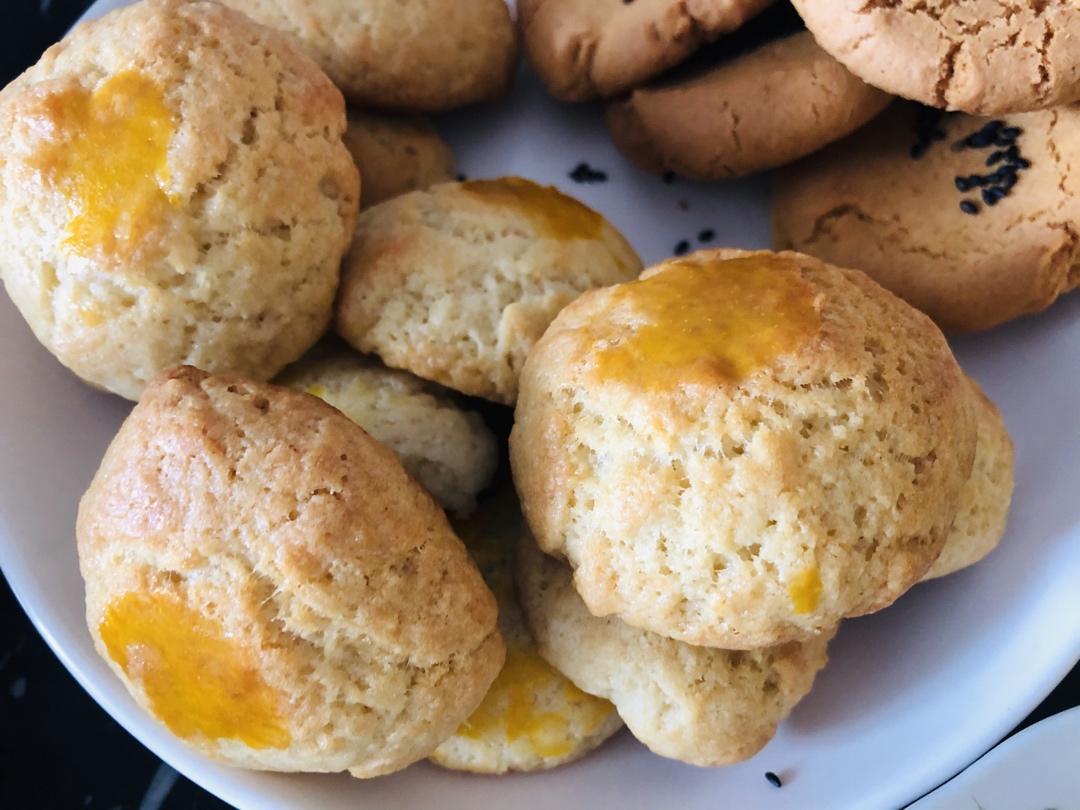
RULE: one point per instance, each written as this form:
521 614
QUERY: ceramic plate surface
911 696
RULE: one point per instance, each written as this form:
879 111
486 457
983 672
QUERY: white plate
1038 768
912 695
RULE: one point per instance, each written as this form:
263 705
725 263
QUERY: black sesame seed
1004 172
584 173
995 157
992 196
682 248
1009 134
1008 182
969 206
706 235
963 184
773 779
668 177
1022 163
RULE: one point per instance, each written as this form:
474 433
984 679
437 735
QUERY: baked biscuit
408 55
584 49
456 283
701 705
532 718
269 583
742 449
911 201
396 154
984 501
174 189
760 110
980 56
443 446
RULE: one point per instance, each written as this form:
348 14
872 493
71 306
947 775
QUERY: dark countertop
58 749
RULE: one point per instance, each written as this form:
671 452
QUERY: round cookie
396 154
449 450
174 189
584 49
456 283
408 55
911 201
742 449
532 718
980 56
755 112
269 583
700 705
984 501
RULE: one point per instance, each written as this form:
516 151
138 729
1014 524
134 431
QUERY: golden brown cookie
585 49
742 449
701 705
445 447
270 584
456 283
984 501
173 189
981 56
396 154
408 55
532 718
972 221
760 110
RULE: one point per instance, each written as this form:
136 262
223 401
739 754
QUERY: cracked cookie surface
762 109
214 235
585 49
985 57
868 203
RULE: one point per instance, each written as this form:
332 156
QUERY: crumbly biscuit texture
456 283
585 49
406 55
984 57
532 718
971 220
760 110
445 447
700 705
984 501
268 581
743 448
174 190
396 154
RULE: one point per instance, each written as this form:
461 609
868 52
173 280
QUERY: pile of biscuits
305 549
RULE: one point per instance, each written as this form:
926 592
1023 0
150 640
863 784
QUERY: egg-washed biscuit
762 109
980 56
448 449
584 49
701 705
984 501
456 283
532 718
270 584
406 55
742 449
396 154
971 220
174 189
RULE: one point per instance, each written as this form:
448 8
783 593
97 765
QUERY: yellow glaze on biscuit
110 162
805 590
510 706
198 682
560 216
719 319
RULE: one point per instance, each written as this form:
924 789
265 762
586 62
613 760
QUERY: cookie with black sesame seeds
763 108
586 49
971 220
983 57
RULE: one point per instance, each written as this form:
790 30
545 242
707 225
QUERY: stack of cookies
961 199
452 476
